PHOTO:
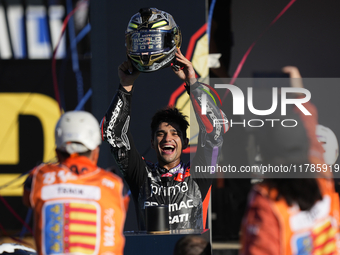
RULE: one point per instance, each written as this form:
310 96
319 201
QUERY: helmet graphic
151 39
15 249
329 143
77 132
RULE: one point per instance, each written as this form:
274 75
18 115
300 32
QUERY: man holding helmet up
153 41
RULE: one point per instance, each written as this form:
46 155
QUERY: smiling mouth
168 149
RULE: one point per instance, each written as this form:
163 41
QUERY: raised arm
210 135
115 128
309 121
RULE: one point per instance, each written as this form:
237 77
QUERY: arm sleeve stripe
214 156
208 126
205 207
225 126
206 91
102 128
213 90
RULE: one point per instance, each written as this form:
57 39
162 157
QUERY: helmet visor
148 41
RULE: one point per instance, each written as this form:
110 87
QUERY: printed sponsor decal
108 183
109 132
70 191
183 204
179 218
70 227
109 227
167 175
169 191
147 203
124 136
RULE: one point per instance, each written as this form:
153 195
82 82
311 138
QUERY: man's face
168 143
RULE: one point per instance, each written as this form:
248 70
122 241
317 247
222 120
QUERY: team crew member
292 216
169 181
78 207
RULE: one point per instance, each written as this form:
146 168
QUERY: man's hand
186 71
127 75
295 76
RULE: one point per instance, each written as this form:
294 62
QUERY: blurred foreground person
78 207
295 215
291 216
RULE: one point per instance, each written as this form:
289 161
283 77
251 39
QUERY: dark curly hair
304 192
192 245
169 115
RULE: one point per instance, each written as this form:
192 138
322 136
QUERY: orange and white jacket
273 227
78 209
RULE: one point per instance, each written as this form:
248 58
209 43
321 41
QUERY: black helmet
152 37
15 249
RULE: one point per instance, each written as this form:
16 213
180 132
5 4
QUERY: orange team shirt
77 213
272 227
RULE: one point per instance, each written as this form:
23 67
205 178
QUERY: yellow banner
15 188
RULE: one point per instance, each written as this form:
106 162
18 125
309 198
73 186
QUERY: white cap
77 132
329 142
14 248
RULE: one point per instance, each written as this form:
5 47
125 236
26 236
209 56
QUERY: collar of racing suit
175 170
